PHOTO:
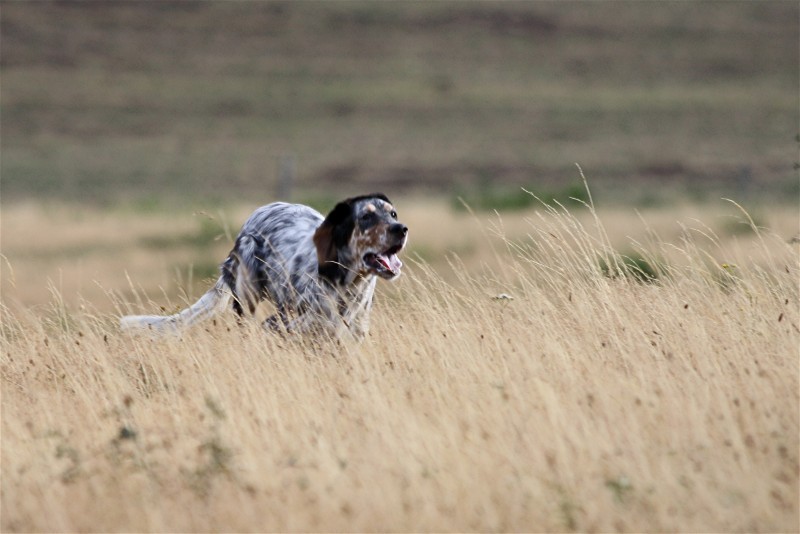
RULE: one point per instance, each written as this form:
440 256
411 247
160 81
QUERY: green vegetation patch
504 198
633 266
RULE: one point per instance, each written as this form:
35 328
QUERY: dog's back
274 258
275 247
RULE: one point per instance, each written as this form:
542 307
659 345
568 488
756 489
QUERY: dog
319 272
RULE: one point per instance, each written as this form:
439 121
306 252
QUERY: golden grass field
589 401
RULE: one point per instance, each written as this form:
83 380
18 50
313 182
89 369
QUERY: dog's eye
367 216
393 214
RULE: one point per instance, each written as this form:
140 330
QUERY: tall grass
536 394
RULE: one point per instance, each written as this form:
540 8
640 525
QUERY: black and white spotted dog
320 273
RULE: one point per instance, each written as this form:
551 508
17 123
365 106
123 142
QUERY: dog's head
363 236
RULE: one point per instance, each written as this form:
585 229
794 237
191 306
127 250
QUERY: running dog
319 272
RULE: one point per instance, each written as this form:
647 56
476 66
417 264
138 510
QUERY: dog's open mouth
386 264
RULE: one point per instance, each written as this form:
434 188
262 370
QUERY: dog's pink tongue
395 263
391 262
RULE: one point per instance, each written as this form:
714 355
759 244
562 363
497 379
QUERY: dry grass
586 402
169 253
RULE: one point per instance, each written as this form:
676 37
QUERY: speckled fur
311 268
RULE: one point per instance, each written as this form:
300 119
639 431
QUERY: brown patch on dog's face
378 237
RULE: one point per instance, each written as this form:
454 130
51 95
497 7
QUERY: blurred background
118 117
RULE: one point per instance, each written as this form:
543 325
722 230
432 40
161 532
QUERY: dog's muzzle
386 264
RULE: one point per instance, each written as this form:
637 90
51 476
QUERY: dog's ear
334 233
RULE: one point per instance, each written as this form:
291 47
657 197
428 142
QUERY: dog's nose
399 229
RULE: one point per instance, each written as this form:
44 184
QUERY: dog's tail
209 305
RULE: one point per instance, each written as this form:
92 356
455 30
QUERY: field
605 394
550 360
146 102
